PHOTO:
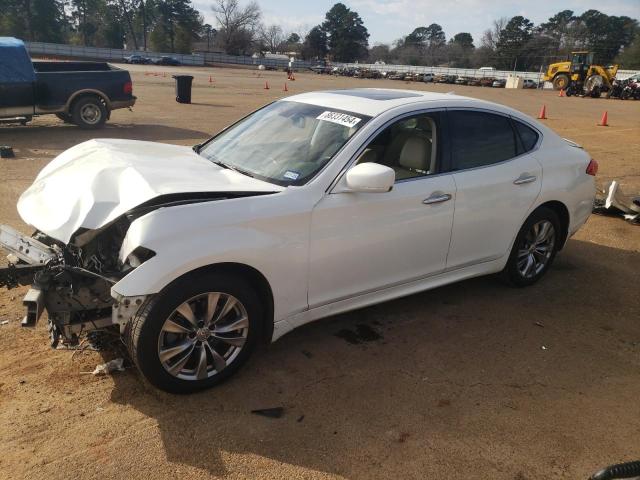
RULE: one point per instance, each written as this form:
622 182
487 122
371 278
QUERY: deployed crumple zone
83 203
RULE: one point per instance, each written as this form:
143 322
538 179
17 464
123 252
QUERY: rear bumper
115 104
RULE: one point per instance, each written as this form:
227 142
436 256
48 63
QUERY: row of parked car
483 80
142 60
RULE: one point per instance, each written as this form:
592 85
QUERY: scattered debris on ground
612 201
6 152
275 412
115 365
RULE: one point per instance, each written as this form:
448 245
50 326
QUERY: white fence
461 72
623 74
38 48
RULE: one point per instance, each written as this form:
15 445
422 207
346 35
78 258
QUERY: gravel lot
452 383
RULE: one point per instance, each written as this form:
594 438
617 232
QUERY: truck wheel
561 82
196 333
65 117
89 112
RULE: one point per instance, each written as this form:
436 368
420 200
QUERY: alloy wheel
536 249
203 336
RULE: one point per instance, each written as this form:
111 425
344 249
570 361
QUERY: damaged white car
313 205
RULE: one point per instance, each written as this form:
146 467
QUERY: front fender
183 242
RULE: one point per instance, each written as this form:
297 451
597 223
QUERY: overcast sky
392 19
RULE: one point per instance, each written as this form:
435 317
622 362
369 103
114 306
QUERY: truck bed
56 82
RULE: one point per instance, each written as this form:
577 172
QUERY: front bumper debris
125 308
34 303
27 249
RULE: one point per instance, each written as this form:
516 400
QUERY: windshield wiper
231 167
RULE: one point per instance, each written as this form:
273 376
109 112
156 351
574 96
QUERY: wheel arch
561 210
86 93
257 280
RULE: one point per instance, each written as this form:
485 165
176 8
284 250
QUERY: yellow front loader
580 69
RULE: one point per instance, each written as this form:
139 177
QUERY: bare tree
491 37
271 37
237 23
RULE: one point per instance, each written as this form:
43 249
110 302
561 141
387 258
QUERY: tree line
176 26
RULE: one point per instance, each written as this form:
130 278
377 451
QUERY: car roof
374 101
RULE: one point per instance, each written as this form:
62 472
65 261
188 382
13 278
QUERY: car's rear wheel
196 333
89 112
534 249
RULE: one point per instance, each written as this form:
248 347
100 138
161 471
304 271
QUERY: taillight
128 88
592 168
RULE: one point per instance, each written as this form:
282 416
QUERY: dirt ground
473 380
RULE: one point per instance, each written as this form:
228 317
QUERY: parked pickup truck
82 93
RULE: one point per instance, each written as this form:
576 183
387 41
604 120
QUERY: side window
480 139
528 137
409 146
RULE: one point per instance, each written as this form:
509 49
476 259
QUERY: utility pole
144 25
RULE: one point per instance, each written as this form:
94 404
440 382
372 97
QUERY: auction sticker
291 175
339 118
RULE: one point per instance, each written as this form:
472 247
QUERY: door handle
522 179
437 198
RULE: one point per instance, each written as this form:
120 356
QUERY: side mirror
370 177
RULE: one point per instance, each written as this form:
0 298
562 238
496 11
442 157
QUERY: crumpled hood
95 182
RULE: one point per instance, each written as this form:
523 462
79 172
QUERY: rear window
480 139
528 137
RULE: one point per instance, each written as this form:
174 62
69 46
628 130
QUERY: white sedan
313 205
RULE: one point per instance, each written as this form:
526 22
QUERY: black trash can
183 88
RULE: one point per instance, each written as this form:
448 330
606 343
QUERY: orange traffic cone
266 85
210 79
561 94
285 89
603 120
543 113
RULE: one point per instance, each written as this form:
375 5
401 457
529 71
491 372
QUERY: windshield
285 143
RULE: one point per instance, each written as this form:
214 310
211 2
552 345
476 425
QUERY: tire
147 337
65 117
560 81
513 272
89 112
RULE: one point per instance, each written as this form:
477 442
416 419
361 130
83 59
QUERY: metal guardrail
281 63
39 48
459 72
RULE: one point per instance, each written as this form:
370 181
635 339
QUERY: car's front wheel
534 249
196 333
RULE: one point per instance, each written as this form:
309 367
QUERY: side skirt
286 325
